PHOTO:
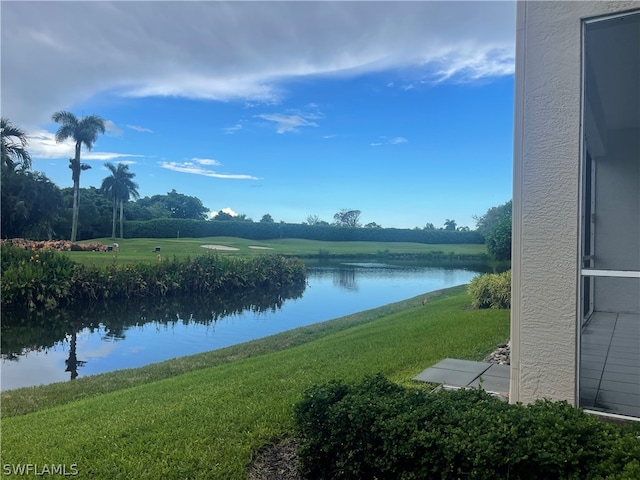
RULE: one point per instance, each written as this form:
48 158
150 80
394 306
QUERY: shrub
377 429
32 279
491 290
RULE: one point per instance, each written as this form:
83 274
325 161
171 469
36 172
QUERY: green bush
377 429
491 290
33 279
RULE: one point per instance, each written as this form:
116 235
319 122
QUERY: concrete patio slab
452 372
495 379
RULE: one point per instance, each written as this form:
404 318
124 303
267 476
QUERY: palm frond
14 152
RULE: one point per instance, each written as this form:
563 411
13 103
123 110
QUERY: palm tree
120 187
450 225
84 131
13 152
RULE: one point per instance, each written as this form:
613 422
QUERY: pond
63 345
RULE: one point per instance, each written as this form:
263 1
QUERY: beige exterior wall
547 152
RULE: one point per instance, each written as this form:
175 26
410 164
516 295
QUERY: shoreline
25 399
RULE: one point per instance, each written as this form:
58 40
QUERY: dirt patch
219 247
260 248
276 462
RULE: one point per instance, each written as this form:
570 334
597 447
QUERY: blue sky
401 110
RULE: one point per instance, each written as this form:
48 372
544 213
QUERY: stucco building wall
546 199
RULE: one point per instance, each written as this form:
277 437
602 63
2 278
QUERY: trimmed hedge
491 290
172 228
378 429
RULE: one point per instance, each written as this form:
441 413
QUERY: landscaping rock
501 356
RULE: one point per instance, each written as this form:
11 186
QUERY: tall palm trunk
113 223
75 173
121 216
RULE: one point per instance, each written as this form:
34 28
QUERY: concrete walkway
453 373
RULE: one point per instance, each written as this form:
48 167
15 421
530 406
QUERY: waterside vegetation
47 279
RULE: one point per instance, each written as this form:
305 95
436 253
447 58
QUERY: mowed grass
209 421
143 249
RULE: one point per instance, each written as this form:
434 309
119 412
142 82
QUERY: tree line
34 207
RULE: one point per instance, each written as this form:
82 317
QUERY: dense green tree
184 206
119 187
495 226
171 205
14 146
499 240
347 218
147 208
372 225
266 218
492 217
82 131
30 204
429 226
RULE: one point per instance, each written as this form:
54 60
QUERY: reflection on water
65 344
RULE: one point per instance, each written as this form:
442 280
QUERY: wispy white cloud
466 64
194 168
237 50
389 141
112 128
232 130
42 144
292 120
138 128
207 161
107 156
287 123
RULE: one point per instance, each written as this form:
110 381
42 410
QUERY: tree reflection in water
22 332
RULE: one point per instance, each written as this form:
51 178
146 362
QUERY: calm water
134 335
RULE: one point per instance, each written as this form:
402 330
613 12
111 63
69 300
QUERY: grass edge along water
204 416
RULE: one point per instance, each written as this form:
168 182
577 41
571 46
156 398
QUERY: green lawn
143 249
205 416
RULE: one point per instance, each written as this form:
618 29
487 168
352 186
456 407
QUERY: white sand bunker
260 248
219 247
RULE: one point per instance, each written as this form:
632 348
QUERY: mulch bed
276 462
